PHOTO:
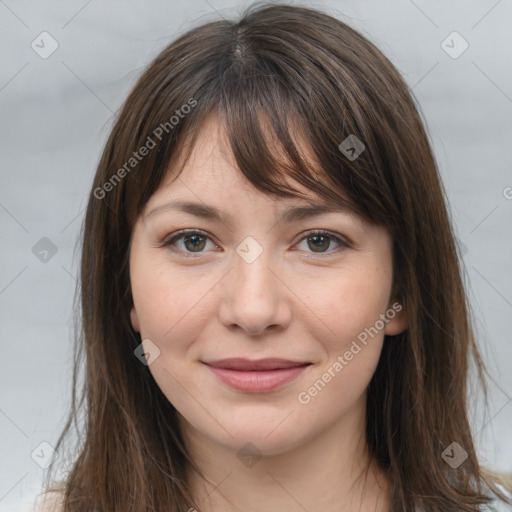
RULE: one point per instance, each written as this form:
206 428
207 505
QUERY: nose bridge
253 277
252 273
253 297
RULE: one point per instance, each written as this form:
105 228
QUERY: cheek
351 347
351 307
172 315
170 304
347 304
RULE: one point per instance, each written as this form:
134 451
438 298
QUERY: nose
254 297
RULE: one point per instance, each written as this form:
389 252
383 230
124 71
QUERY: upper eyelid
184 232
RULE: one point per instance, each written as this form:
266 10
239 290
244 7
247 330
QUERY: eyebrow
291 214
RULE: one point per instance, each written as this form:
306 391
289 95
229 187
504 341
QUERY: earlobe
397 316
134 318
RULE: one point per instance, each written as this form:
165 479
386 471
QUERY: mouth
256 376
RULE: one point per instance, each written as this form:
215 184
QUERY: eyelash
319 232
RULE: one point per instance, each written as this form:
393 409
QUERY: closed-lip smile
256 376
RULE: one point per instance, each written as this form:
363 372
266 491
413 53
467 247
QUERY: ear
397 315
134 318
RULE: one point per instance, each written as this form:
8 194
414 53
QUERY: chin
271 436
259 443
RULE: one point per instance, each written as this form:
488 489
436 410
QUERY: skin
291 302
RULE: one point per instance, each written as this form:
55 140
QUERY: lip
256 376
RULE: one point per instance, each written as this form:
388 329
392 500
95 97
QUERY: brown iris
323 238
196 242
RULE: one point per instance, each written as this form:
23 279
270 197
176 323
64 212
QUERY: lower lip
257 381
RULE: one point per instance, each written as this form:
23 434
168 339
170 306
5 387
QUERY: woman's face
250 284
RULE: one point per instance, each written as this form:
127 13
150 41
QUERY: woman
273 315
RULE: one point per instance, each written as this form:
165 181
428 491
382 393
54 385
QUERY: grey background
56 114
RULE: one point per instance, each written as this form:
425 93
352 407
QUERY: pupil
196 242
317 238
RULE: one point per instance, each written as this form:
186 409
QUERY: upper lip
242 364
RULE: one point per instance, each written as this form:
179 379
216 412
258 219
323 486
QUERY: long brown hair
276 72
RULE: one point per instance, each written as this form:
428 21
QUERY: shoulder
497 505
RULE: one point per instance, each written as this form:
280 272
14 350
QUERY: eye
193 241
320 241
